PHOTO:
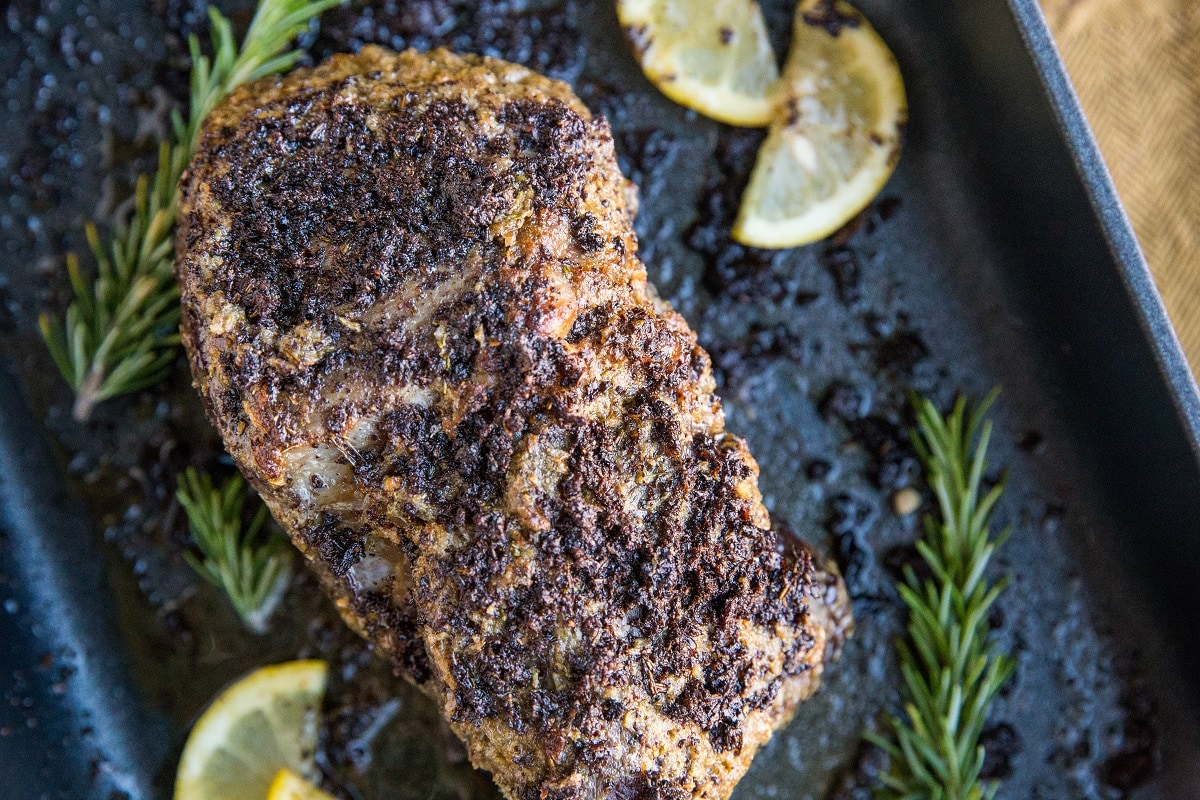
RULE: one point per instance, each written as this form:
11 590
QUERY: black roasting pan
997 256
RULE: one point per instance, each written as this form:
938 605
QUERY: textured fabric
1136 66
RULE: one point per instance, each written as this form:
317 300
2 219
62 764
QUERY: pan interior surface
990 259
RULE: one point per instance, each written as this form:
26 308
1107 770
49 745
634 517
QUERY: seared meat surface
414 309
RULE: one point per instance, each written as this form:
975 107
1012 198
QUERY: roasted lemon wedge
710 55
836 139
290 786
265 722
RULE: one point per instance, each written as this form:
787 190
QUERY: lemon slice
710 55
265 722
836 140
290 786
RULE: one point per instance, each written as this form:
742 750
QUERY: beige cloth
1136 66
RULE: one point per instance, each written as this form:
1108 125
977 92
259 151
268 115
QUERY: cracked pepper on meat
414 309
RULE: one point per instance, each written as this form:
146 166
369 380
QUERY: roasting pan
997 256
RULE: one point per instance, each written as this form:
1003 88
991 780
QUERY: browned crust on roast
414 310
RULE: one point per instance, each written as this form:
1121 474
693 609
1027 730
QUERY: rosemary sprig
251 563
950 667
121 330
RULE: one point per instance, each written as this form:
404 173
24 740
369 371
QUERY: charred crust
832 16
584 229
583 545
396 631
338 546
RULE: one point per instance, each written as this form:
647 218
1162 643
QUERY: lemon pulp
265 722
836 139
710 55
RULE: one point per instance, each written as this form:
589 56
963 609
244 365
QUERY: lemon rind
287 784
818 222
732 108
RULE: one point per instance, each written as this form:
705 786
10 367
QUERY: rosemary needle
951 669
121 330
250 562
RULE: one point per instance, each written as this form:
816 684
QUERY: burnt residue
8 318
1001 745
1051 521
128 475
846 270
893 463
899 351
1137 757
860 779
1031 442
849 518
818 470
843 255
866 222
734 271
187 17
896 345
845 401
641 152
545 35
901 558
735 360
883 433
50 140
